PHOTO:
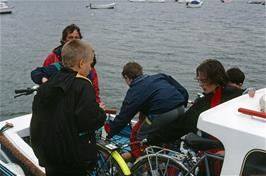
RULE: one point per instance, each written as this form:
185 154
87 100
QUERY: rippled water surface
163 37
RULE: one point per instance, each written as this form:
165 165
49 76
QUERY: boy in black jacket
66 115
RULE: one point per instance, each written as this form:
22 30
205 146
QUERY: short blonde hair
75 50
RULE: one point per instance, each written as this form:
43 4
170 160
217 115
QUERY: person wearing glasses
53 63
213 81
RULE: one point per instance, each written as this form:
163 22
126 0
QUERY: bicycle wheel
106 164
158 165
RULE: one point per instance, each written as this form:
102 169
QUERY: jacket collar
138 79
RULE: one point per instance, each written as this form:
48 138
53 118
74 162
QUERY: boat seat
199 143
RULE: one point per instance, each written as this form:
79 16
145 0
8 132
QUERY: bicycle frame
206 156
186 159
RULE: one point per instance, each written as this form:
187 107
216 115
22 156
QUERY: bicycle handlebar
27 91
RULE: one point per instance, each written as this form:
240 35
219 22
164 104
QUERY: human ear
81 62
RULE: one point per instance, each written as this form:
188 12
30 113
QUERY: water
163 37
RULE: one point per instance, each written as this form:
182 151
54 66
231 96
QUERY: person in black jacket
159 97
65 116
213 80
236 77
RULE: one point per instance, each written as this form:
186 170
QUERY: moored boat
181 1
256 2
4 8
102 6
156 1
194 4
226 1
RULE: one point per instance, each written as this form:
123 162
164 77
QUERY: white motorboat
194 3
102 6
156 1
241 127
181 1
226 1
4 8
137 0
256 2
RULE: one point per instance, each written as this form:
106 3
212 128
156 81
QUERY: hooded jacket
64 119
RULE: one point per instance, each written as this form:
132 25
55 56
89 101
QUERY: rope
18 155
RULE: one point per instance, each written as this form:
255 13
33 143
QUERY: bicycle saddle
199 143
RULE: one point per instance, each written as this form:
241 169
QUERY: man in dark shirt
159 97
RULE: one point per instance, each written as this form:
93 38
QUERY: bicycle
110 162
160 161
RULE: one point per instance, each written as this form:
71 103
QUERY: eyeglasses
202 80
73 37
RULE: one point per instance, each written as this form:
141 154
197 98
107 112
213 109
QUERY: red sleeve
95 83
135 148
51 58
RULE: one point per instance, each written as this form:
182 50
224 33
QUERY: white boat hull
6 11
182 1
156 1
4 8
102 6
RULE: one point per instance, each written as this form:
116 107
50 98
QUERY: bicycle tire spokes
158 166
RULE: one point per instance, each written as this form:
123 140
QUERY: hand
44 80
251 92
144 142
102 105
107 127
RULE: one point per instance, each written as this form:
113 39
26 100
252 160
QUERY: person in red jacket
69 33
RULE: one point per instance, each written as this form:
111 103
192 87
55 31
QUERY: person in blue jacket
159 97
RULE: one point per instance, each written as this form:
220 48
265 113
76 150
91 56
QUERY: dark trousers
157 121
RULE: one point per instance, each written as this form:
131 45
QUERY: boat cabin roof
240 133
